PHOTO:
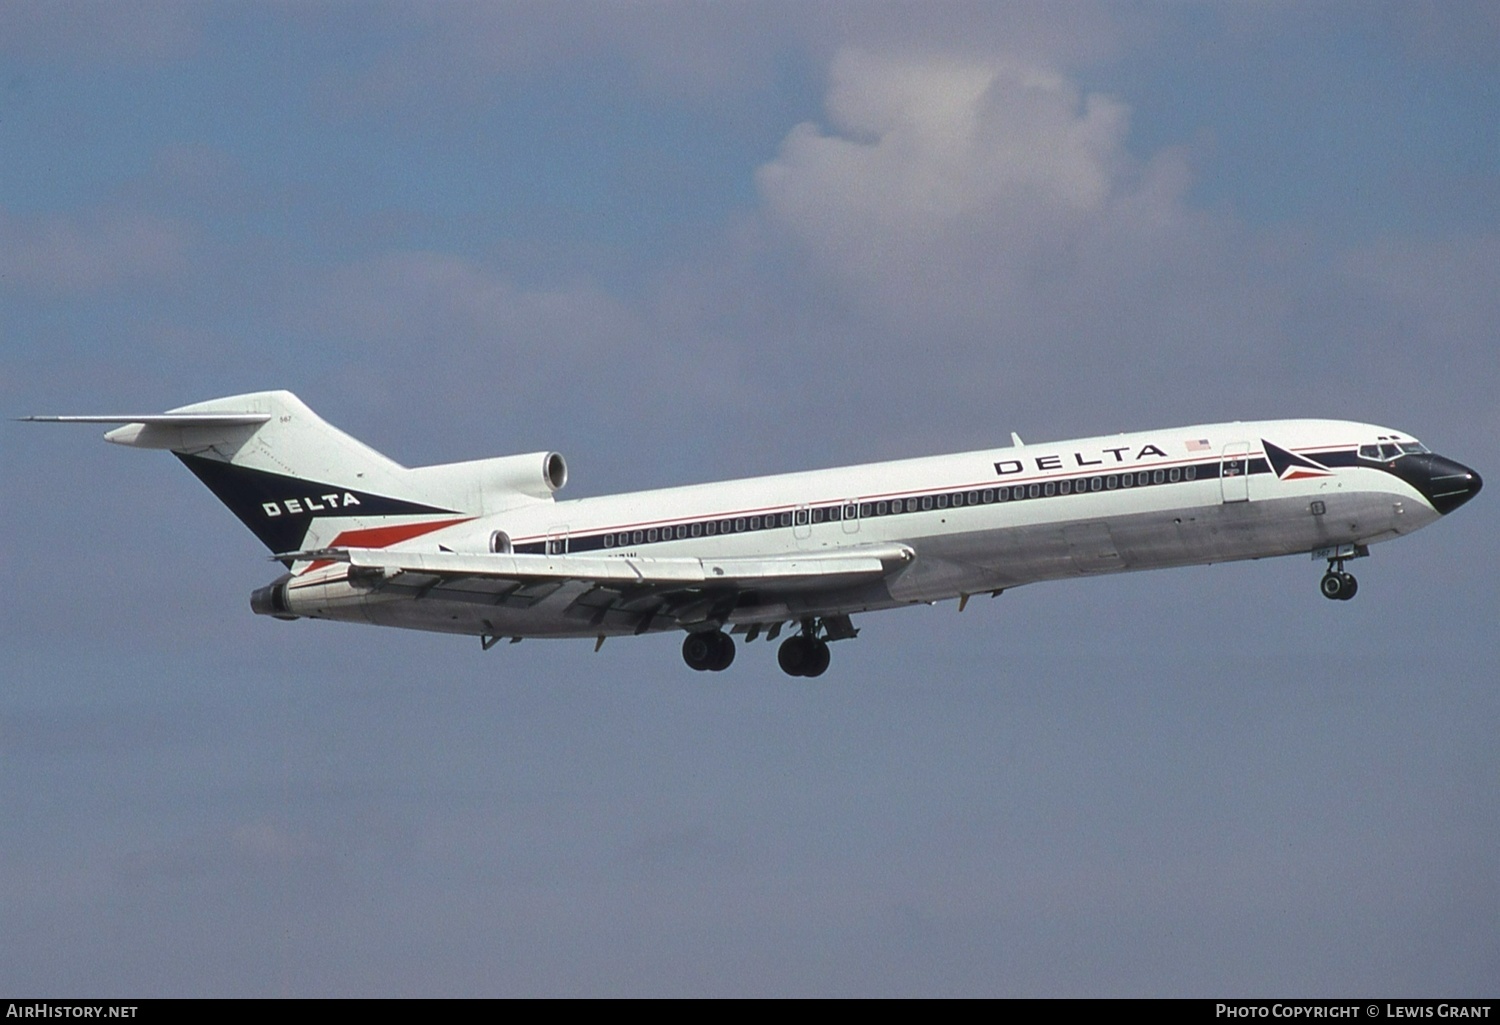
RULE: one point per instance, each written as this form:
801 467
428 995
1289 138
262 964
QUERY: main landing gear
1338 585
802 654
806 653
712 650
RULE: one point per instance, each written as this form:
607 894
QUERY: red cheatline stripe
380 537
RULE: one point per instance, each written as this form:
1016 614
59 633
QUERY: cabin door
1234 472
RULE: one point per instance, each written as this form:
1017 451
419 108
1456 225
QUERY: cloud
943 181
89 253
986 220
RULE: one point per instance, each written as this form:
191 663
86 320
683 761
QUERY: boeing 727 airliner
483 548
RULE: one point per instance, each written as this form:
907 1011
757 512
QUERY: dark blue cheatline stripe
832 512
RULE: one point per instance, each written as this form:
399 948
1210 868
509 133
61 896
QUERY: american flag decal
1200 445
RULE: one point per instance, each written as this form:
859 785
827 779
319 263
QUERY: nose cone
1443 482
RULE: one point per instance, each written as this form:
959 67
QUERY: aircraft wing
633 590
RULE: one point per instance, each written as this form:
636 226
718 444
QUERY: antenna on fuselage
1015 440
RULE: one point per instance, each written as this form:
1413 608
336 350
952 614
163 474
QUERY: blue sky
681 242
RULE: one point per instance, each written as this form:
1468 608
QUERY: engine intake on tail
491 485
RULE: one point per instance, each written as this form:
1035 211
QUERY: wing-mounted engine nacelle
482 486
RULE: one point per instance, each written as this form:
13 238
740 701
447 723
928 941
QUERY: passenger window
926 502
1111 482
1174 475
1049 489
1191 473
1158 476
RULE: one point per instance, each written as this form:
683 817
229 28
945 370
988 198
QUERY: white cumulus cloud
945 180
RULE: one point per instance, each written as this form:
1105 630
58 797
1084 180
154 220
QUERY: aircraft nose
1448 484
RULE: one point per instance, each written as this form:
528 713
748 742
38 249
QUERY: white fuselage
976 521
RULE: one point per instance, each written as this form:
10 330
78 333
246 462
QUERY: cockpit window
1388 450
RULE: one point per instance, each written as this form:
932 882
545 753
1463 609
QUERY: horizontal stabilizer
159 419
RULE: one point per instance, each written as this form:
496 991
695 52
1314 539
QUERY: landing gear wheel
793 655
1338 585
711 650
803 656
818 664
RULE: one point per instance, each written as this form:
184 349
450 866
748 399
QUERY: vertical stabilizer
290 476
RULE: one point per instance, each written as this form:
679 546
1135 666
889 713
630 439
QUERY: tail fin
300 483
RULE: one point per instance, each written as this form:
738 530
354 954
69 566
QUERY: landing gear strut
1336 584
710 650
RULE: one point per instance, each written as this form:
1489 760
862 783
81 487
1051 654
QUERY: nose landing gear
1336 584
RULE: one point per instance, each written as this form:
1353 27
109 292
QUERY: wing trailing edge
812 570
